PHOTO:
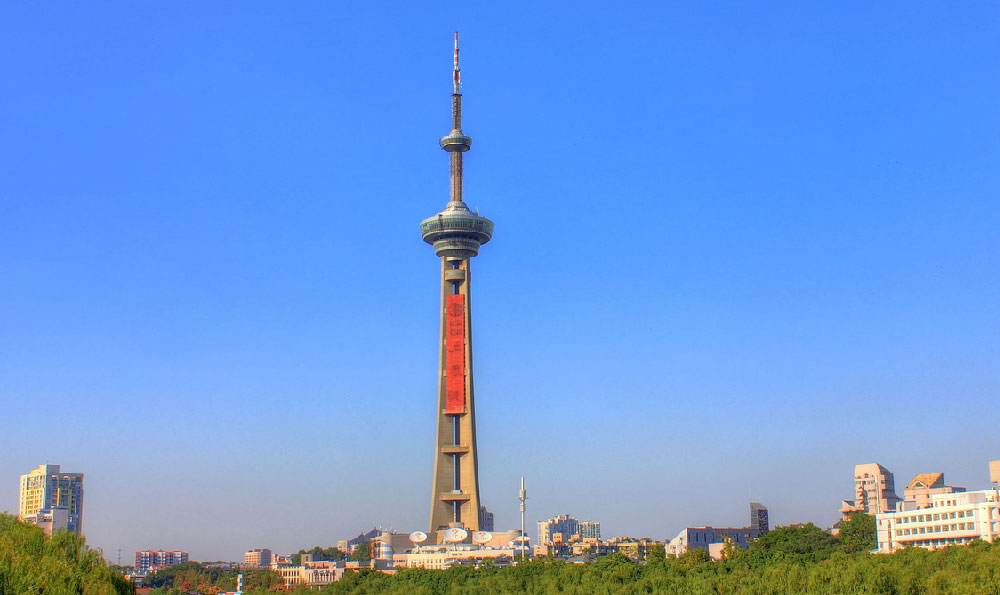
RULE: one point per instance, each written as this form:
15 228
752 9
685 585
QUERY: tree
805 544
331 553
656 553
857 533
694 556
31 562
362 553
730 551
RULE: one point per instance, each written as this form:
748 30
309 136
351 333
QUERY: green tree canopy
857 533
362 553
319 553
33 563
808 543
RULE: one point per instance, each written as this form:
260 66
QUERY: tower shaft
455 497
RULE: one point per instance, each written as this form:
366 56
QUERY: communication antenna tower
522 496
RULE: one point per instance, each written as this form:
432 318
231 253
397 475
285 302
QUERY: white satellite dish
418 537
454 534
482 536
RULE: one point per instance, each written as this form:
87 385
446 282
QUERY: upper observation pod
455 141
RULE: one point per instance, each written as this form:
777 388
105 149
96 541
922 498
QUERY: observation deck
455 141
456 231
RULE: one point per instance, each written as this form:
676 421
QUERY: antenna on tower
458 72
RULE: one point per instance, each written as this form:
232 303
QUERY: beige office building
951 519
874 491
257 557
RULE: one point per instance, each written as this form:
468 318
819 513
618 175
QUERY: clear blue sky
739 249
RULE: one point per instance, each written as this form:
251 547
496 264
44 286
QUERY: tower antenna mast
522 496
458 71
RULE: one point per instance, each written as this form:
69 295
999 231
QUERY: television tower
456 234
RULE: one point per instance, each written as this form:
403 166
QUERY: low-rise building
951 519
312 573
440 557
50 519
713 539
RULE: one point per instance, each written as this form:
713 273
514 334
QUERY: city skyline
787 271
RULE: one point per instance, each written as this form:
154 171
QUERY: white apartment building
951 519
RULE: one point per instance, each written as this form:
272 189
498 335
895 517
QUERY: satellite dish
418 537
454 534
482 536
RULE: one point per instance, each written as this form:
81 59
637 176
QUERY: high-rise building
758 518
563 526
146 560
485 519
995 472
456 234
47 488
874 491
589 529
257 557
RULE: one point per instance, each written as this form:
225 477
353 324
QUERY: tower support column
455 498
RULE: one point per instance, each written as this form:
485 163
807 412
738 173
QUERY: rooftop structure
923 486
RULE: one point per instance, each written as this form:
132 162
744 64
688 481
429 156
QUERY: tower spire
455 142
458 71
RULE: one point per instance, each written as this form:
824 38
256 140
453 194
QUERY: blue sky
739 249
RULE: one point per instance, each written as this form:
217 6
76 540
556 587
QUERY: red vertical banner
454 346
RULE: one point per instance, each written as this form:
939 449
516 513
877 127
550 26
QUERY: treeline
319 554
32 563
191 577
793 560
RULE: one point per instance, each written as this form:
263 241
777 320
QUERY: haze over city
738 251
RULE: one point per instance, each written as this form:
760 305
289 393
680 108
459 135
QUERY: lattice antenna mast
457 76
